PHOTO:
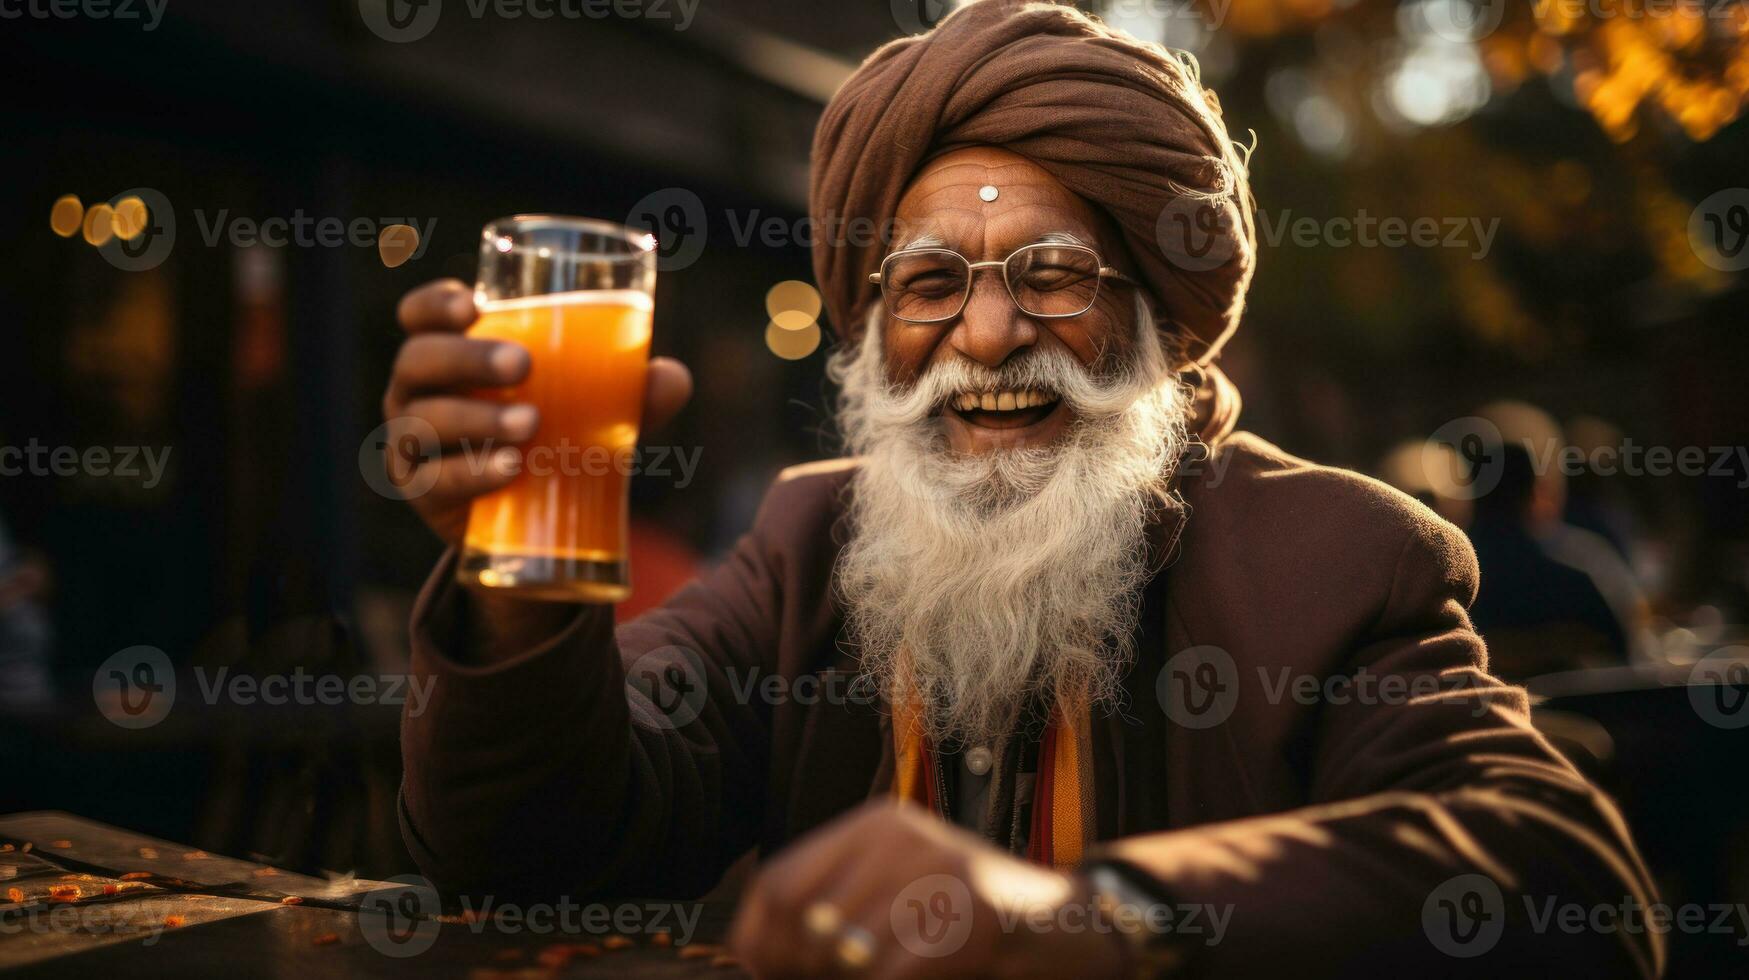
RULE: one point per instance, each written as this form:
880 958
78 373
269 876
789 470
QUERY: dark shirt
1525 591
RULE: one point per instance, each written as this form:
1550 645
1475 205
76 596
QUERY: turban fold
1124 124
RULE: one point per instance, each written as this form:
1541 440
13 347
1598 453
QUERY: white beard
1014 577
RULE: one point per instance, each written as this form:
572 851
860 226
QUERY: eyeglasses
929 285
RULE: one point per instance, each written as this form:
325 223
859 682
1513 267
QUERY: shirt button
978 760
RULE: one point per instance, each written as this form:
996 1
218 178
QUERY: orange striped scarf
1062 810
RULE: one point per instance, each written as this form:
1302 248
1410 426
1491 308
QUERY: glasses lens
1053 280
924 285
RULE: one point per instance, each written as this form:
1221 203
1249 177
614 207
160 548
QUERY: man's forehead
960 202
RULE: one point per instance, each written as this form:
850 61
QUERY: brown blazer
1328 820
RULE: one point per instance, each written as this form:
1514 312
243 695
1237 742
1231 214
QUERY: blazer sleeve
1443 828
599 761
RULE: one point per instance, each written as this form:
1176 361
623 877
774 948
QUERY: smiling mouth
1004 409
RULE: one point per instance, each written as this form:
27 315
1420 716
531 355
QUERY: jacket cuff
439 628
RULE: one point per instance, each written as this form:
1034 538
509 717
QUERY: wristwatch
1122 896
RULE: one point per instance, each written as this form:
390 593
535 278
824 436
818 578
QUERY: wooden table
83 898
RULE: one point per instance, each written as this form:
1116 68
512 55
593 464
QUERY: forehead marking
987 192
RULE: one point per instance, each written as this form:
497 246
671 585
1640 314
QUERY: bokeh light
397 243
792 345
793 304
99 224
129 218
65 216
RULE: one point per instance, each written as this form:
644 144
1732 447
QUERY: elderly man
1142 713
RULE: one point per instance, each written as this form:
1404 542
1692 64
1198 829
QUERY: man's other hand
890 890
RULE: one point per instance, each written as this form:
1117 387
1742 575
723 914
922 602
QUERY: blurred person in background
1553 596
1425 470
1598 502
24 628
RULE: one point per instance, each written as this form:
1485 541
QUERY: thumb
665 392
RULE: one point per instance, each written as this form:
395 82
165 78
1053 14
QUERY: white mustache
1051 370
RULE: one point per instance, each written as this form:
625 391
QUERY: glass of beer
578 294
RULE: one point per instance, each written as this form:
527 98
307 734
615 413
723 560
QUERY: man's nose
991 327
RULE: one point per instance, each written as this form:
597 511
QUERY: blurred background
1501 266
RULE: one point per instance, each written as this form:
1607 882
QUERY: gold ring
855 948
823 919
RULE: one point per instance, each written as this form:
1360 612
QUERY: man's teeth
1001 401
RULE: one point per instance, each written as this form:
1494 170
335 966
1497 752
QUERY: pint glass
578 294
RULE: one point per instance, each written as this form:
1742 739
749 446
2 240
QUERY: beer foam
635 298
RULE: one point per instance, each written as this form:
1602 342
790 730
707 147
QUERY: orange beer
559 529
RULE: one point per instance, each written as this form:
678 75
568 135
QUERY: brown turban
1124 124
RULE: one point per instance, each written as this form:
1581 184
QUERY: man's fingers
475 420
459 477
666 392
446 363
443 306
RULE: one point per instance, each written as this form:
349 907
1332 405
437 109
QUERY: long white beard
1014 577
